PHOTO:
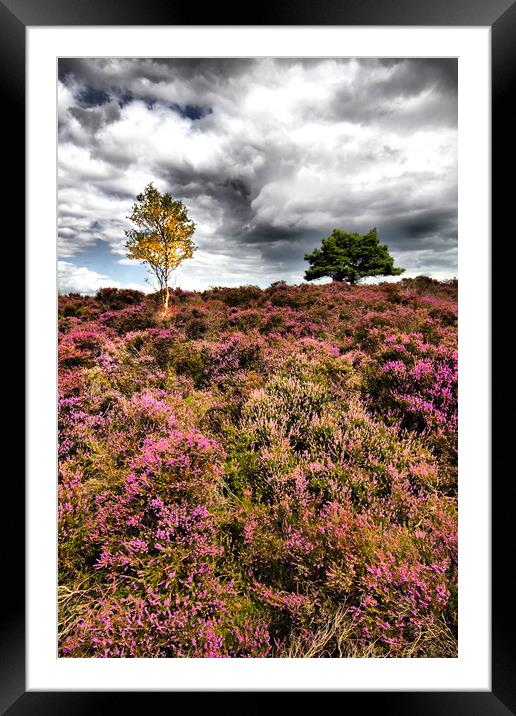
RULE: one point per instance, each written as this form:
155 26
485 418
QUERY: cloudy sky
269 155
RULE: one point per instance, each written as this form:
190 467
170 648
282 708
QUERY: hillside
259 473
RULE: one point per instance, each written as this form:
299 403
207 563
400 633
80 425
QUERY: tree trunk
167 296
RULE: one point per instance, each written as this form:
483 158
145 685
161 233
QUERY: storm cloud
269 155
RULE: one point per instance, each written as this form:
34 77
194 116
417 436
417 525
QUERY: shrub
415 383
134 317
259 473
116 298
241 296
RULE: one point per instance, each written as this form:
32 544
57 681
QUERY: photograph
258 357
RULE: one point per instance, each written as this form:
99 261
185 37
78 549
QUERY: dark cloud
93 119
117 72
430 85
266 234
128 79
427 223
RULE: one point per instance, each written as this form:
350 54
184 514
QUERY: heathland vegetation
259 473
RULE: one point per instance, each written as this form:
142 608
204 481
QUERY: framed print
266 471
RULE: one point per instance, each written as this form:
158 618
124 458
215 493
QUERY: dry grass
72 605
333 638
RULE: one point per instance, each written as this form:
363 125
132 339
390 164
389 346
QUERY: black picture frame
500 16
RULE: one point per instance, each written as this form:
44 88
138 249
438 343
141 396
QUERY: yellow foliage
163 237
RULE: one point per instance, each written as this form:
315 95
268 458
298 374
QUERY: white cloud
296 146
79 279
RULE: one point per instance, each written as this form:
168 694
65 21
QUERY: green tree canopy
350 257
162 237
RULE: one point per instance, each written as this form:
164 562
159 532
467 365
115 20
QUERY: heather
259 473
